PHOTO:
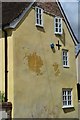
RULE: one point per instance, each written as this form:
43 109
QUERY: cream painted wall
10 70
36 73
10 67
2 64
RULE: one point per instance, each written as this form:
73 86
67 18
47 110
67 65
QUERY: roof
50 7
78 53
13 12
68 24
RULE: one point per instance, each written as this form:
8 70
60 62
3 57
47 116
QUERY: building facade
41 64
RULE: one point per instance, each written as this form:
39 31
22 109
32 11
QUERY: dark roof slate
11 10
50 7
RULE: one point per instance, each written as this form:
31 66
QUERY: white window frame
67 98
65 58
38 16
58 21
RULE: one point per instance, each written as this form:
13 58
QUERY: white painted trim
67 107
60 33
68 63
14 23
38 24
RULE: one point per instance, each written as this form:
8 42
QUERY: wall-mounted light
52 45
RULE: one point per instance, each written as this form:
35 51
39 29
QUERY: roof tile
11 10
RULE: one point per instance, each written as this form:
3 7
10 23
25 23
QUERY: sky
71 8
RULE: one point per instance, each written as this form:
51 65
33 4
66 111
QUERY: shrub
2 96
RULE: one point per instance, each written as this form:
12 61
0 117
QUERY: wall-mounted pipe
6 64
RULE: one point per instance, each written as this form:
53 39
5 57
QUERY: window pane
65 97
56 20
66 63
69 92
64 58
63 62
69 102
37 10
56 29
59 20
37 16
64 102
40 11
59 25
56 24
40 17
63 52
40 22
37 21
59 29
69 97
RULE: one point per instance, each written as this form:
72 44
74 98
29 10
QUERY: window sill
37 25
66 107
58 33
66 66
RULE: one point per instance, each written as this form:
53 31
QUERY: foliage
2 96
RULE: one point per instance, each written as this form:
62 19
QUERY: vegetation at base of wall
2 96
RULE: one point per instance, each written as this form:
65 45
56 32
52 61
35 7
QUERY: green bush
2 96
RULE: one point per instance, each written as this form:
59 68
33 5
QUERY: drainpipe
6 64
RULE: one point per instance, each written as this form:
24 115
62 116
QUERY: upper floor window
65 58
39 16
58 25
67 97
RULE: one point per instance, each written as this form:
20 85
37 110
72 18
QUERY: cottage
39 65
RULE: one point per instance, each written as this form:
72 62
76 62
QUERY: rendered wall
38 73
2 63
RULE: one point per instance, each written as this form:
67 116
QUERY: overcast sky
71 8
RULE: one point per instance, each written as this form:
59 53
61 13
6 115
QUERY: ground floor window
67 97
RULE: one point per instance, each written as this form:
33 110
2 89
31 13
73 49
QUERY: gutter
6 64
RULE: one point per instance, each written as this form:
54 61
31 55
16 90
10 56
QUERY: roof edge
77 53
68 24
15 22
